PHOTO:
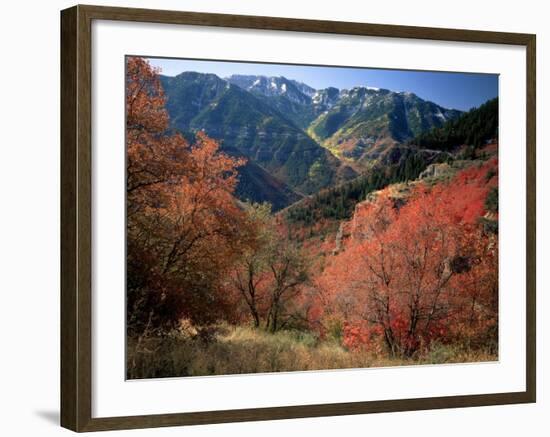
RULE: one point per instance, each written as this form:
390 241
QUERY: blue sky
450 90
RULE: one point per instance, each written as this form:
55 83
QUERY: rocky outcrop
341 235
436 171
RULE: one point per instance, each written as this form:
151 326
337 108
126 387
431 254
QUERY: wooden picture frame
76 217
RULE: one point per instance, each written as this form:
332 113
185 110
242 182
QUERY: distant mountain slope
472 128
257 185
357 124
363 119
274 86
290 98
259 131
188 94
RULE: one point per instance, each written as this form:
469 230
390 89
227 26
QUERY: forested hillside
473 129
338 203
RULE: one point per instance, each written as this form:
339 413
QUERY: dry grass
240 350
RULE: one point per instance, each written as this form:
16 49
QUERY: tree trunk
256 318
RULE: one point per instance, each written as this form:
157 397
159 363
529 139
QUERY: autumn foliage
415 265
183 224
420 270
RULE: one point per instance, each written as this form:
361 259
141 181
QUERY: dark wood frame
76 225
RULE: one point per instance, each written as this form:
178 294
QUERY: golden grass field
242 350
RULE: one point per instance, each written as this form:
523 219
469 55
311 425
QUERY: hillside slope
365 121
246 123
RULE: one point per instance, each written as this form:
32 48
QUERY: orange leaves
184 225
144 98
361 335
153 158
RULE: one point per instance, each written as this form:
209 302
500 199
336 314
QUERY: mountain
325 99
359 124
299 140
299 102
274 86
248 124
365 121
289 97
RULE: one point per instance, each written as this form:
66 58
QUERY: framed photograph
268 218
